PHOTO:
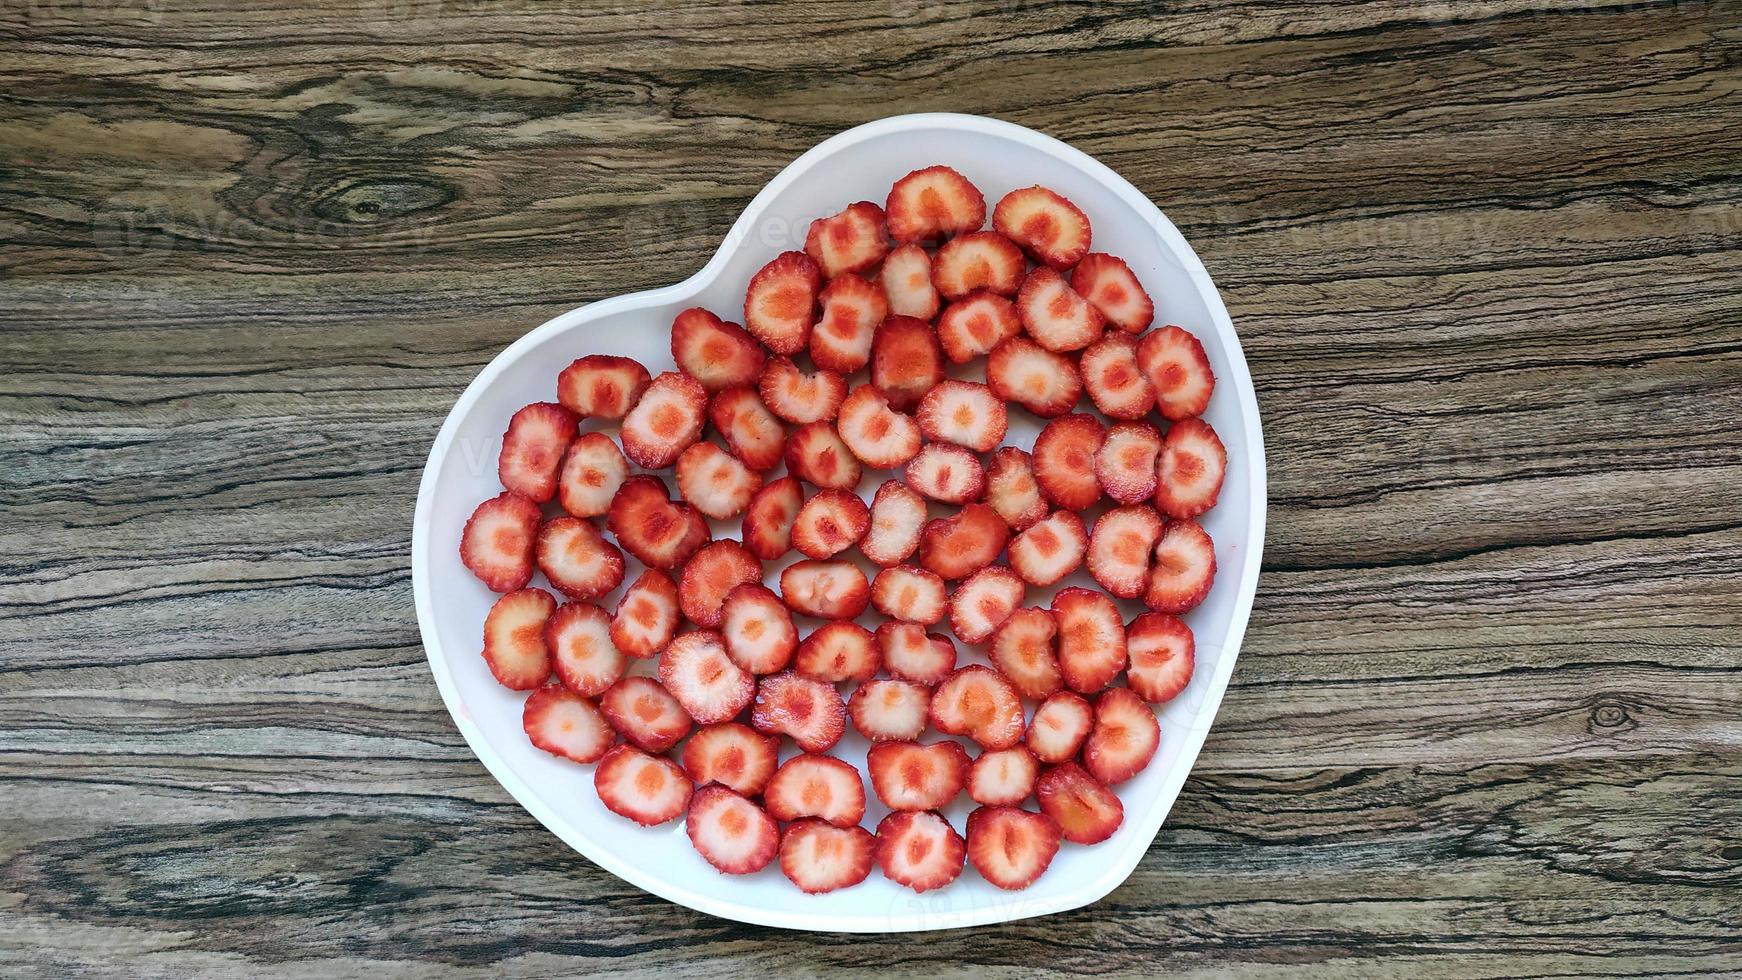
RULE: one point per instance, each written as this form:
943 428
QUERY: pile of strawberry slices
863 353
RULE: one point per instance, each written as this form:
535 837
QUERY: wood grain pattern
1484 260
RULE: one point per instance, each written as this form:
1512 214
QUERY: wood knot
376 200
1609 715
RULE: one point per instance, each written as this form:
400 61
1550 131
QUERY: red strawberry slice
1085 811
1189 477
819 858
964 413
717 483
533 447
852 309
1046 225
1185 566
1003 778
837 652
830 523
810 711
946 473
1022 371
1022 650
730 832
577 559
983 601
645 714
1106 281
889 710
757 629
650 526
1011 847
919 850
932 204
647 789
666 421
697 672
819 786
912 654
1162 655
816 455
1125 463
719 354
514 647
1064 461
1011 490
496 544
579 639
1054 315
971 326
798 397
956 547
735 756
906 282
910 776
833 589
851 241
601 386
978 702
1125 737
717 569
646 616
906 360
565 724
768 519
1060 725
751 431
780 305
878 435
591 472
1179 371
1119 549
978 260
1049 550
909 594
1091 639
1116 385
898 515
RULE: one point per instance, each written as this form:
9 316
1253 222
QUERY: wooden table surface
1484 259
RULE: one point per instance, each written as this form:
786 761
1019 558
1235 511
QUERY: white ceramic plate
859 164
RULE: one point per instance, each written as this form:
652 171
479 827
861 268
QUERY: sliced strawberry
716 570
1125 463
1185 566
1162 656
1064 461
880 436
919 850
1054 315
798 397
830 523
1091 639
1189 477
496 544
751 431
1109 283
1022 371
647 615
1011 847
579 639
666 421
1050 549
833 589
601 386
736 756
730 832
889 710
956 547
819 786
1085 811
912 654
906 281
910 594
816 455
978 702
946 473
645 714
1179 370
910 776
719 354
1125 737
906 360
851 241
514 646
565 724
837 652
898 515
1119 549
651 527
982 602
577 559
819 858
852 309
1003 778
647 789
697 672
810 711
978 260
1116 385
780 305
932 204
964 413
1060 725
533 447
591 472
1011 490
757 629
716 482
1022 650
972 326
768 519
1046 225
